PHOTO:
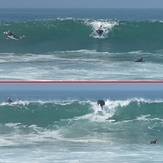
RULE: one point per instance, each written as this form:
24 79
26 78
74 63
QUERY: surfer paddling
139 60
154 142
12 36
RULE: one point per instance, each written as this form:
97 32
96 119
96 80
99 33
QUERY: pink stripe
81 82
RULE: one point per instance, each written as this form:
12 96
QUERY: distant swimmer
100 31
9 100
154 142
12 36
139 60
101 103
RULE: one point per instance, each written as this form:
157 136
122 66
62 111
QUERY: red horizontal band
81 81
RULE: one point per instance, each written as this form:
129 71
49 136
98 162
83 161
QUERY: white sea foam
81 64
106 26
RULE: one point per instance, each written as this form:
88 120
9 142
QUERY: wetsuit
101 102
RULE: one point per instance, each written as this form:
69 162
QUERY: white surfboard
11 37
99 112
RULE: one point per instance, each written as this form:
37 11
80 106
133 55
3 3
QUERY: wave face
44 36
73 119
40 113
63 44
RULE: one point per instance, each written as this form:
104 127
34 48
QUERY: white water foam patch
27 57
81 55
110 106
42 102
49 69
149 101
147 118
21 135
92 117
105 25
23 103
88 55
82 64
143 117
107 112
16 103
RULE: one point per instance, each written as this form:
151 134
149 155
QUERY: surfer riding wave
100 31
101 103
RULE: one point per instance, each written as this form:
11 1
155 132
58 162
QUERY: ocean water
62 44
63 126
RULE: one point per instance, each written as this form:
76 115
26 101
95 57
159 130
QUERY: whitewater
63 44
62 126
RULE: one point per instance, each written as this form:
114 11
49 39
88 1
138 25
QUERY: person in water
154 142
9 100
100 31
139 60
9 33
101 103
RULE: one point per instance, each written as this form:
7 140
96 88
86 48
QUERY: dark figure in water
9 100
100 31
9 33
154 142
139 60
101 103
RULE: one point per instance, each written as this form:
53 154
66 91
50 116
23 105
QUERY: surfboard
11 37
99 112
99 35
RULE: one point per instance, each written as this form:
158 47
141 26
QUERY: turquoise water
63 44
62 126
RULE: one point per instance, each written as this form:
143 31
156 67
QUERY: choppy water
63 44
63 126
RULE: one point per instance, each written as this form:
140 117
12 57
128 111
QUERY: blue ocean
62 44
63 126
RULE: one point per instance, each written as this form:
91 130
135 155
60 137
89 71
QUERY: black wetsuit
101 102
99 31
153 142
139 60
14 36
9 101
10 33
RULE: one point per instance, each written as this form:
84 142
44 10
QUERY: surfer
154 142
100 31
8 100
101 103
139 60
11 35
